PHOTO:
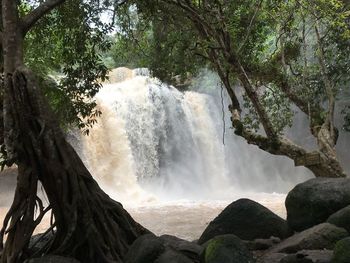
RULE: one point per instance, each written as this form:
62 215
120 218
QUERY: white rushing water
160 152
154 143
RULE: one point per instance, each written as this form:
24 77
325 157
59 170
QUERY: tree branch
30 19
209 33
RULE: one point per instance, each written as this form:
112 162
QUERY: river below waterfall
184 219
188 220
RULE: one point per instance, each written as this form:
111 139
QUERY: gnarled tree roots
89 225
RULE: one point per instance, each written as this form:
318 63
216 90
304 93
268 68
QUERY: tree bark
12 40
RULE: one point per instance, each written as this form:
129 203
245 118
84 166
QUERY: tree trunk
87 224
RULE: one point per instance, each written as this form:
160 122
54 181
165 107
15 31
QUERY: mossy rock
226 248
342 251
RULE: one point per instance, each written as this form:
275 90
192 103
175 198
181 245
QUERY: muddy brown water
185 219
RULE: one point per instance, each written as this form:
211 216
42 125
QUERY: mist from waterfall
154 143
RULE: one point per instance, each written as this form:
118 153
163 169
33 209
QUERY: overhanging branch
276 146
221 37
30 19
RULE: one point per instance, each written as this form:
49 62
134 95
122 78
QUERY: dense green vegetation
64 50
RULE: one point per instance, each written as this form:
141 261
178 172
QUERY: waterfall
153 142
153 135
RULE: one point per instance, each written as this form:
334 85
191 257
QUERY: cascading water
154 142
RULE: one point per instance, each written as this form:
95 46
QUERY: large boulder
323 236
248 220
52 259
172 256
342 251
341 218
145 249
226 249
312 202
165 249
189 249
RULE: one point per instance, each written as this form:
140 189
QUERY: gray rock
312 202
145 249
272 258
341 218
323 236
309 256
52 259
189 249
226 249
172 256
262 244
248 220
165 249
342 251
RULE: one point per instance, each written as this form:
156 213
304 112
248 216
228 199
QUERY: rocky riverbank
316 231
